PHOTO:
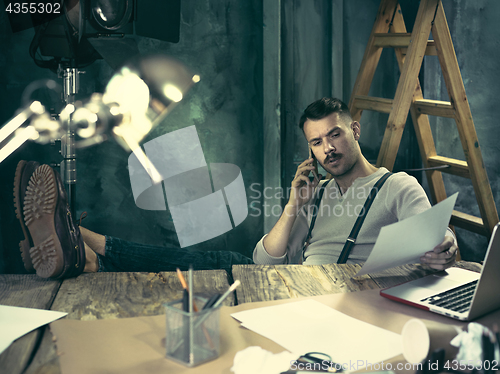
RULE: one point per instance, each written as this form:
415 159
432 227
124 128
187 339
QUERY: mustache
332 157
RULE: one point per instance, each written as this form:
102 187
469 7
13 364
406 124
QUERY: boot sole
39 209
24 245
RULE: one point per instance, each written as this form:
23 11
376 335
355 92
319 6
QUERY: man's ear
356 129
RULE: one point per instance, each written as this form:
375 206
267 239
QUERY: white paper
310 326
406 241
16 321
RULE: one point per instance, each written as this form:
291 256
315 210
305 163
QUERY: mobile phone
315 163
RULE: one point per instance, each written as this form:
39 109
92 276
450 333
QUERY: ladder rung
468 222
435 108
392 40
377 104
430 50
401 40
456 167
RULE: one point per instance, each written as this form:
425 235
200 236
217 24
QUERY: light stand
71 82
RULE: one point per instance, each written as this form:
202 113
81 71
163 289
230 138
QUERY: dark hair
323 108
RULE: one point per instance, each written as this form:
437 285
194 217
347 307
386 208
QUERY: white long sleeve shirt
400 197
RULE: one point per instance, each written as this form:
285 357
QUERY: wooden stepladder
389 31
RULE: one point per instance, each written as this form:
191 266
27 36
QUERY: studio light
88 30
137 98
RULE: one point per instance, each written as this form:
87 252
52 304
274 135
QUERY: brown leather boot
58 250
23 174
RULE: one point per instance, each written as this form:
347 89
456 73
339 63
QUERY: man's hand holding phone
302 186
275 243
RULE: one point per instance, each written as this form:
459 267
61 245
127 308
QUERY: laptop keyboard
457 299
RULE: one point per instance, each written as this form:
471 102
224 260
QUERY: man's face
334 143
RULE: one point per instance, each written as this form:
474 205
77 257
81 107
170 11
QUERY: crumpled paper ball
254 359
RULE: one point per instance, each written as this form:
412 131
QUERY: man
333 137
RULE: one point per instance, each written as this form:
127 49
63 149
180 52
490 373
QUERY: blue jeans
123 255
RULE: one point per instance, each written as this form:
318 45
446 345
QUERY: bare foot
91 262
96 242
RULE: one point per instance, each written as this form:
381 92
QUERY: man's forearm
276 241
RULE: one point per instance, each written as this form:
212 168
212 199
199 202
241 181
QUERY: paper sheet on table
310 326
406 241
16 321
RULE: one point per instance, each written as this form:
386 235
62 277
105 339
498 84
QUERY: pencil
181 278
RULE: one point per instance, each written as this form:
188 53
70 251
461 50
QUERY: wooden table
118 295
275 282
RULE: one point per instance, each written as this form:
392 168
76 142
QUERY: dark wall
222 42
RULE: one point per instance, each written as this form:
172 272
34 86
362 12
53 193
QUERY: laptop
456 293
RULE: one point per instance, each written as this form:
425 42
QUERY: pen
185 300
211 301
221 299
226 294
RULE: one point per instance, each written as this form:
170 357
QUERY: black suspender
351 240
315 214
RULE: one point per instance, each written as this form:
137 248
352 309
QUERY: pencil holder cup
191 338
